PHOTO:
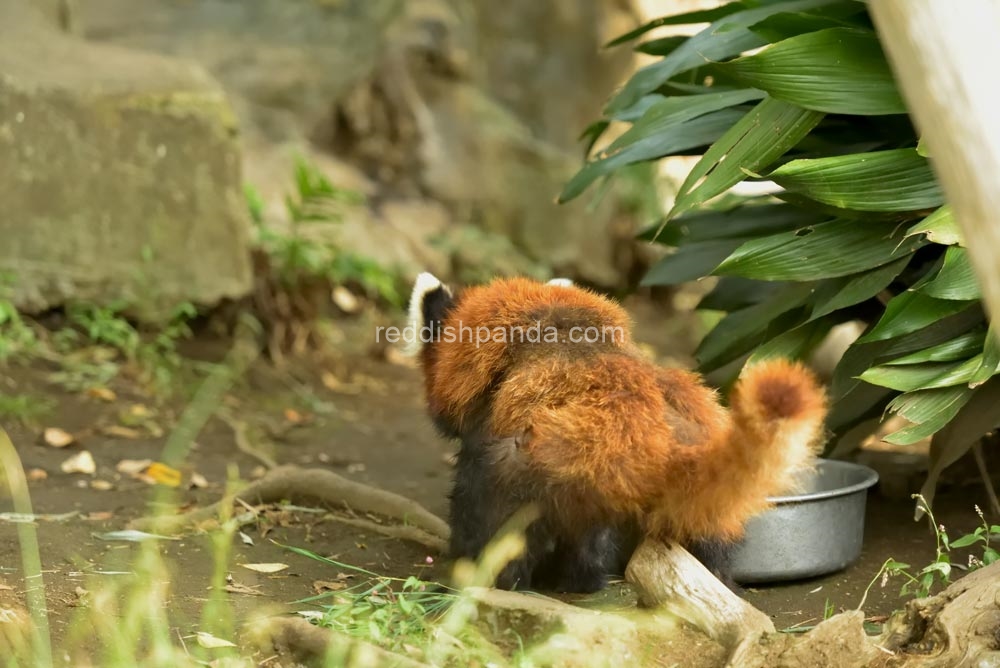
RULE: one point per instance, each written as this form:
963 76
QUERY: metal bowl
813 533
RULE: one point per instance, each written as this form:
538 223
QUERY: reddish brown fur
610 435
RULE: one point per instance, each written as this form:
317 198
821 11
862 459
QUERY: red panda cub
554 405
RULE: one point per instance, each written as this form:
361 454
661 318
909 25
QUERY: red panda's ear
561 282
429 302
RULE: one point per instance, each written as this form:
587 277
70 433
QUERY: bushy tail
776 420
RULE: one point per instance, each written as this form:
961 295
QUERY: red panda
554 405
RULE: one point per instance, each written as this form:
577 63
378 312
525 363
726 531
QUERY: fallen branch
323 488
668 577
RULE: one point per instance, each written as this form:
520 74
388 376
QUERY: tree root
302 642
326 489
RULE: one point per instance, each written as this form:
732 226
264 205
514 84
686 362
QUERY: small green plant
938 572
390 612
305 253
15 335
24 408
154 354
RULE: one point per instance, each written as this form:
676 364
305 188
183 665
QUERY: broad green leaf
895 180
859 287
990 359
687 18
940 227
663 46
782 26
827 250
973 420
956 280
741 331
959 348
732 293
911 311
691 262
928 410
796 343
861 355
699 131
636 111
910 377
740 222
837 71
727 36
862 402
755 142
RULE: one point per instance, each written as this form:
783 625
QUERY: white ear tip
426 283
561 282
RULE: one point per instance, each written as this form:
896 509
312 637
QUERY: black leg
479 509
715 556
583 564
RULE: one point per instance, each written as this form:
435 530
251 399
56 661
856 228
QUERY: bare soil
367 422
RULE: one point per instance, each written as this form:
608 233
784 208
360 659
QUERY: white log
946 54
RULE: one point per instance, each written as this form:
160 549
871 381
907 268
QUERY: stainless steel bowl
813 533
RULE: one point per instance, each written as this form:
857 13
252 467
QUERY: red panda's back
595 423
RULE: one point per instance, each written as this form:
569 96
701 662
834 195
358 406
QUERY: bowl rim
869 480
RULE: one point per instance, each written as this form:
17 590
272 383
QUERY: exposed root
403 532
325 489
296 639
243 443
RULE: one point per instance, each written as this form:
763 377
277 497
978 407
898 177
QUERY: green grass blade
837 71
31 561
894 180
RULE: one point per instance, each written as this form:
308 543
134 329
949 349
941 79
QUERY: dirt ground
362 417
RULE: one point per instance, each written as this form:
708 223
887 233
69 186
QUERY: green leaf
740 222
895 180
977 416
990 359
956 280
687 18
911 311
859 287
910 377
940 227
928 410
732 293
828 250
796 343
727 36
965 541
639 146
990 556
837 71
959 348
782 26
689 263
741 331
663 46
762 136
